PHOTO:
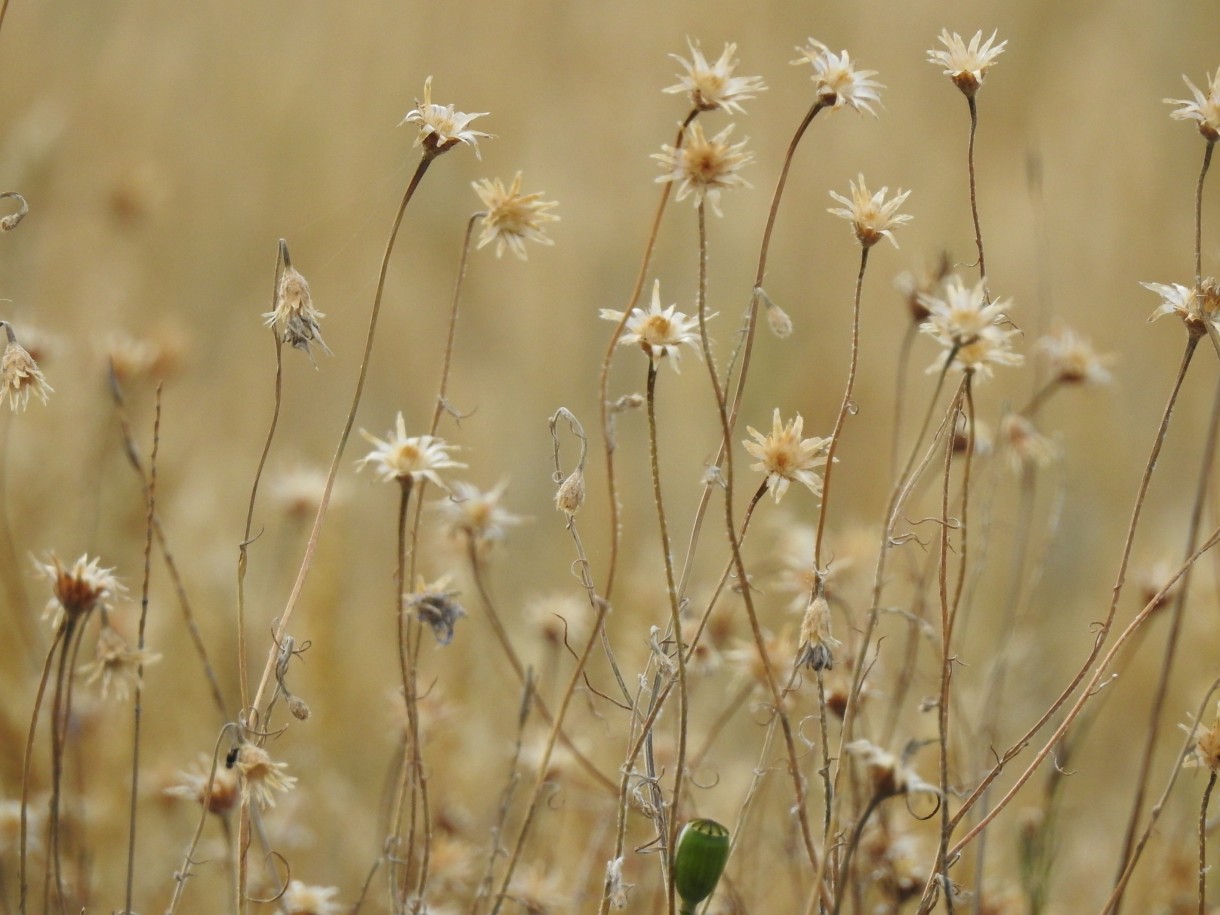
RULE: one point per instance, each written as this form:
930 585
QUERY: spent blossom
476 515
436 606
295 318
116 665
401 457
871 215
441 127
1196 308
837 82
659 331
1072 359
306 899
1205 749
511 218
974 332
966 65
785 457
19 374
77 590
262 776
713 86
704 167
1203 109
889 774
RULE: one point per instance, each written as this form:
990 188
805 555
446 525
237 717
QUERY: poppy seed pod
703 850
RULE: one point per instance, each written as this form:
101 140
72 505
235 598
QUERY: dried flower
616 887
512 218
1206 749
78 590
193 785
1072 358
116 664
785 457
890 775
966 65
704 167
303 899
134 359
817 646
19 374
294 317
836 81
713 86
1196 310
1024 444
1203 109
297 491
476 516
914 285
440 127
399 457
659 331
435 606
263 777
970 329
871 215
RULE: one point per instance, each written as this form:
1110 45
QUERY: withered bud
298 707
571 494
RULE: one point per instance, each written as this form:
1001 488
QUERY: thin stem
845 869
453 316
60 634
1207 796
324 503
974 201
1207 161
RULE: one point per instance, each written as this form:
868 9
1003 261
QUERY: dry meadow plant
844 698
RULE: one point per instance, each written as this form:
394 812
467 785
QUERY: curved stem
974 200
1207 160
453 316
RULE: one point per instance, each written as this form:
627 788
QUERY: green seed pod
703 850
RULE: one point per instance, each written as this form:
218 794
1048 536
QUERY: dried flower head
659 331
1206 749
966 65
303 899
262 776
434 605
297 491
294 317
476 516
19 374
817 646
889 774
972 331
871 215
116 664
1024 445
836 80
713 86
193 785
511 218
134 359
785 457
76 591
399 457
1203 109
617 888
1196 308
440 127
914 285
1072 359
704 167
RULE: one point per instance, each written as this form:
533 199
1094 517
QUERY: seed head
1024 444
193 785
871 215
295 318
836 80
1072 358
1206 749
303 899
817 646
889 774
966 65
512 218
713 86
704 167
19 374
440 127
1203 109
1196 308
476 516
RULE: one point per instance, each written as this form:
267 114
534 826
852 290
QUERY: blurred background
165 148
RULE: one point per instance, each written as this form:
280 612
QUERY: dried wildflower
571 493
1206 749
1196 308
1024 444
616 887
78 590
116 664
704 167
777 318
817 646
871 215
399 457
702 657
1203 109
476 516
134 359
298 491
914 285
193 785
303 899
295 318
889 774
440 127
970 329
1072 358
784 456
713 86
836 81
556 618
512 218
435 606
659 331
966 65
263 777
19 374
